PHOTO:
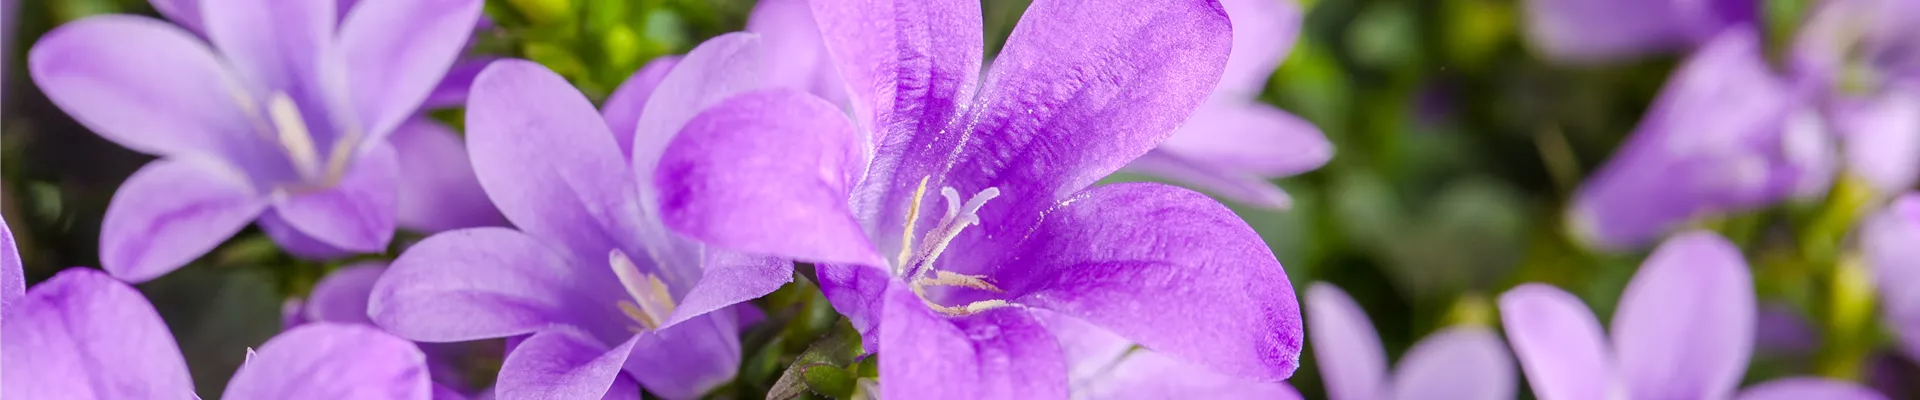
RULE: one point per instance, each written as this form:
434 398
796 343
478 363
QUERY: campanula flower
1453 363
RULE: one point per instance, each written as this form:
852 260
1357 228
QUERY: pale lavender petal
1684 327
1263 32
1558 342
1881 137
438 190
13 280
1351 361
397 51
1809 388
342 295
1149 375
357 214
186 13
1456 363
1231 147
1226 184
561 363
1601 30
453 88
168 214
797 55
1164 267
333 361
297 243
84 335
484 283
730 278
999 354
623 107
274 45
143 84
715 179
687 360
718 69
909 65
1090 351
548 162
1887 240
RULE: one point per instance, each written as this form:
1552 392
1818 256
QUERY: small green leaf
838 349
830 381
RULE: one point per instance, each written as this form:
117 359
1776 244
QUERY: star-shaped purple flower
608 295
282 112
960 207
1454 363
1684 329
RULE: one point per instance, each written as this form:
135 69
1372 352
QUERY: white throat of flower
648 301
916 263
292 136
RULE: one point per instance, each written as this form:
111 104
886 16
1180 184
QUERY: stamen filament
913 216
293 135
650 301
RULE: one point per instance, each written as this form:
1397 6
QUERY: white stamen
651 302
293 136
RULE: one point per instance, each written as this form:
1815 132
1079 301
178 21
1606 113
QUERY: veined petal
730 278
357 214
623 107
342 295
397 51
333 361
84 335
1457 363
484 283
1558 342
858 292
169 213
1351 361
1147 375
1809 388
1684 327
438 189
718 69
910 66
687 360
561 363
13 280
997 354
1165 267
749 172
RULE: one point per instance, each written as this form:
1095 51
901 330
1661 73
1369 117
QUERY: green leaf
830 381
838 349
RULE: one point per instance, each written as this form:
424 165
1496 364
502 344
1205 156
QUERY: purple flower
341 297
1864 56
84 335
1454 363
1725 135
967 211
1105 366
1887 241
797 55
1234 143
1684 329
608 295
1588 31
287 121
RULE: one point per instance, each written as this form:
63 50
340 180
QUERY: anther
650 301
293 135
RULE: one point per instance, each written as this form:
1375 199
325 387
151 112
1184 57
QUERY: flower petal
274 45
1592 31
169 213
1351 361
1457 363
484 283
1809 388
797 55
1231 147
186 13
146 85
687 360
1882 138
297 243
1558 342
546 159
1090 351
357 214
342 295
1165 267
1684 327
718 69
59 335
1001 353
561 363
1886 239
909 65
1228 185
397 51
730 278
453 88
623 107
333 361
13 280
719 179
1149 375
1263 32
438 190
857 292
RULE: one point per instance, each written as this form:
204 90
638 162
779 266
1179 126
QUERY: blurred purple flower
84 335
1105 366
1082 88
341 297
602 287
1234 143
796 54
1683 329
1454 363
289 118
1592 31
1887 241
1725 135
1864 55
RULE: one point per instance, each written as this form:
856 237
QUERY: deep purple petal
273 45
797 56
546 159
169 213
1167 268
333 361
1149 375
146 85
438 190
1263 32
342 295
718 69
1456 363
1684 327
623 107
397 51
730 278
13 280
716 180
1809 388
687 360
1559 343
484 283
1001 353
84 335
908 65
357 214
1881 138
297 243
1351 361
453 88
857 292
561 363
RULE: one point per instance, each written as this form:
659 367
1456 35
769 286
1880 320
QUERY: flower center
916 263
648 302
290 133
